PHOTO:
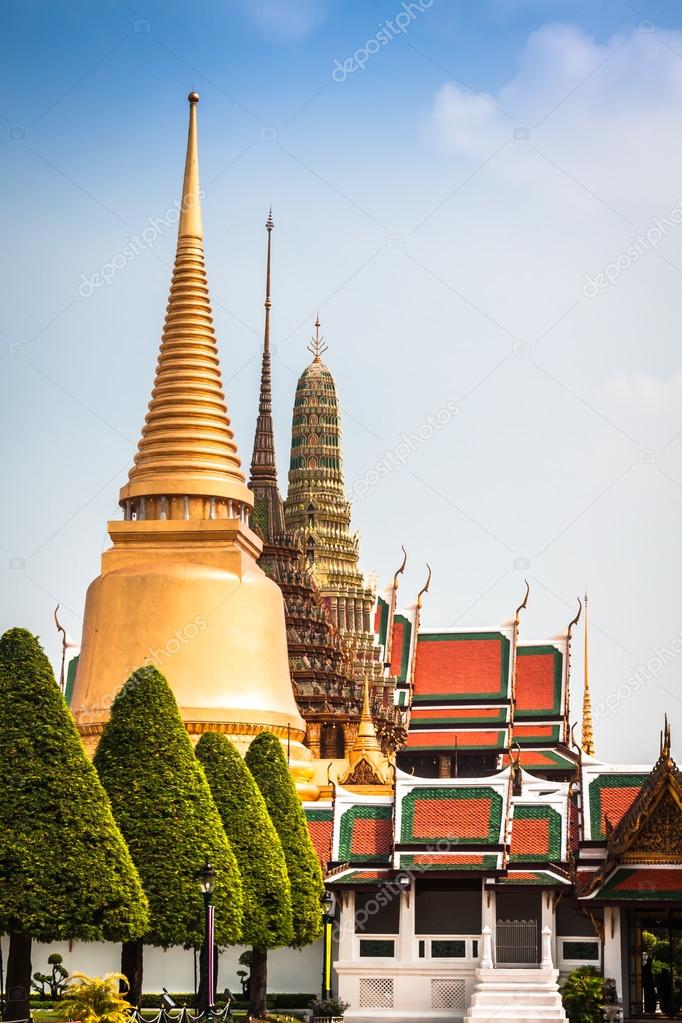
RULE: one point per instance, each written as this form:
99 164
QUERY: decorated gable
450 815
321 826
608 793
363 828
539 823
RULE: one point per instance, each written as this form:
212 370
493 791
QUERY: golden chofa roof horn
186 464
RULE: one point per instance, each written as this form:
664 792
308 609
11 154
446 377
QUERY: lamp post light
207 878
328 905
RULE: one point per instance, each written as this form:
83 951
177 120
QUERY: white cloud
646 392
608 112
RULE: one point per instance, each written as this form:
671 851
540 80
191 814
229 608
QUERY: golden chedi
180 587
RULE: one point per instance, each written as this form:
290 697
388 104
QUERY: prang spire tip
190 225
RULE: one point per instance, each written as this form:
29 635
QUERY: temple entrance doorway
655 954
519 914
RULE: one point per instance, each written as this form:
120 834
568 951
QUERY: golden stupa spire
366 741
587 732
318 345
186 464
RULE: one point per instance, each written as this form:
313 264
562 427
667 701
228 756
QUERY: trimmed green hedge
165 810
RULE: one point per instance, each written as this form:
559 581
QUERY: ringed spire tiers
319 515
186 464
268 510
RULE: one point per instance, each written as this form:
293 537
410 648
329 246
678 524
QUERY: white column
406 942
548 919
546 947
487 949
613 962
347 926
488 919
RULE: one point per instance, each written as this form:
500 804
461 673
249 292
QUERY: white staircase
516 996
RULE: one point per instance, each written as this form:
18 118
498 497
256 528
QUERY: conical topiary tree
164 808
65 871
256 844
265 759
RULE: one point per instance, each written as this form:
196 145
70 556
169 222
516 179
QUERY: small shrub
95 999
583 995
328 1007
55 981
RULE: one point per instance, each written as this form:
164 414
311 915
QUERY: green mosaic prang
539 813
557 681
348 818
483 792
488 862
608 781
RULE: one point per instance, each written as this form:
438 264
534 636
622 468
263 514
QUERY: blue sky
448 207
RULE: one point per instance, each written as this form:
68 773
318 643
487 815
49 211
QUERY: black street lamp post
207 878
328 920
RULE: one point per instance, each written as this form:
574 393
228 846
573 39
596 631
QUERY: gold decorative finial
318 346
587 731
524 603
62 631
666 737
401 569
366 741
190 225
425 588
388 650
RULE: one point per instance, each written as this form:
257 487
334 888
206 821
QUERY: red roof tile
449 740
645 884
371 836
538 680
464 818
475 713
461 664
529 837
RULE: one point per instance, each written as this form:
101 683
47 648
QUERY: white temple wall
289 970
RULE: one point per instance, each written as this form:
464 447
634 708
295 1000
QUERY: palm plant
96 999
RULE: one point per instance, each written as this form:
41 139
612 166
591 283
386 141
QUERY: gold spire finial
587 732
666 739
186 464
190 225
424 589
318 346
366 741
400 570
